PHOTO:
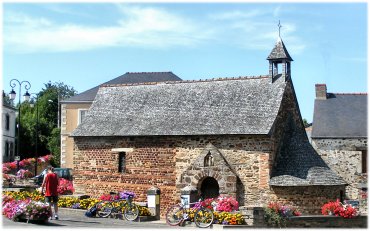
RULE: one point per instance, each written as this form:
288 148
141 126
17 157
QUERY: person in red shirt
50 183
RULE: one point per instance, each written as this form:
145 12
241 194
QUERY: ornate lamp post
32 103
27 86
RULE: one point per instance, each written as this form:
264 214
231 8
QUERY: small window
364 161
7 122
81 115
11 149
121 162
341 196
6 151
208 160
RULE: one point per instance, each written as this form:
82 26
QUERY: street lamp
27 86
32 104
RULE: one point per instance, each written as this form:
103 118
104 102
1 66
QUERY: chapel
241 136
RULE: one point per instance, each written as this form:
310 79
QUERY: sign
17 158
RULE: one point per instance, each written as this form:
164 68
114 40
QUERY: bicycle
178 213
106 208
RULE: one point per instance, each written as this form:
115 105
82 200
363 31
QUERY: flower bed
224 210
277 214
338 209
15 209
65 187
63 202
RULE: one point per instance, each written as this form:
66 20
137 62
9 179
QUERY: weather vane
280 26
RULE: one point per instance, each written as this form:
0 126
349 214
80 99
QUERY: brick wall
165 162
162 161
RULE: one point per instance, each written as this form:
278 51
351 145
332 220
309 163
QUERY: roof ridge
355 93
148 72
190 81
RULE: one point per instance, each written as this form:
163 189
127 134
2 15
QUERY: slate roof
340 116
298 164
279 52
127 78
223 106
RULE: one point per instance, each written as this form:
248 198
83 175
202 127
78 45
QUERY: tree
306 124
7 101
48 134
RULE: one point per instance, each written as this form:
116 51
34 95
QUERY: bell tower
279 55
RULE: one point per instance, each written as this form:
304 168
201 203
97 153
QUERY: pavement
75 218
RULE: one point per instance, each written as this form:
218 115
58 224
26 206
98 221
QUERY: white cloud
277 11
149 27
236 15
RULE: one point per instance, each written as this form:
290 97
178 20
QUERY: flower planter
33 219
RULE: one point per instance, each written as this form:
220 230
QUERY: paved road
71 218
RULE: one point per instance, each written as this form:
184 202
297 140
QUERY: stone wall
241 168
165 162
344 156
327 222
307 199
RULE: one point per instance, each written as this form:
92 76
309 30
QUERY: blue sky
86 44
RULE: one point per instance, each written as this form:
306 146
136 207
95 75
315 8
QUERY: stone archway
210 169
209 188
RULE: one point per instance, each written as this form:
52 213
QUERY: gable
231 106
296 162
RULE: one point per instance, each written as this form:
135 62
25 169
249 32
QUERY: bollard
154 201
191 193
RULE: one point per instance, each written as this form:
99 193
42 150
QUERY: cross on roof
280 26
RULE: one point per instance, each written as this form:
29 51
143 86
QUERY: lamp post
58 115
32 103
27 86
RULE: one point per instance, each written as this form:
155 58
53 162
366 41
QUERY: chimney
320 91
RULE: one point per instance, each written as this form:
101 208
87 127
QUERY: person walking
51 183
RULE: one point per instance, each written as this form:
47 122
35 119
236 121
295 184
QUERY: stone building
8 130
74 109
240 136
339 134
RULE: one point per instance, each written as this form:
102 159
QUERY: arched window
208 160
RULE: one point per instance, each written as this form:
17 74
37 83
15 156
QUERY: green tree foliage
306 124
48 134
7 101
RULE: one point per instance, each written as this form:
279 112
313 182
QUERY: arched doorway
209 188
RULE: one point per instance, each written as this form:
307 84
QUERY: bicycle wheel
203 218
131 212
104 208
175 215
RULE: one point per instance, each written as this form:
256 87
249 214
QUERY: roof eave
338 137
76 102
305 185
72 135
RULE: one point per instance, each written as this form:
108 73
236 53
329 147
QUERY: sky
86 44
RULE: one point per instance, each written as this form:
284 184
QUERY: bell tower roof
279 52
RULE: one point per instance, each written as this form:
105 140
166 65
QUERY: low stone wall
254 217
320 221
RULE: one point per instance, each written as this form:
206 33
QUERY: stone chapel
241 136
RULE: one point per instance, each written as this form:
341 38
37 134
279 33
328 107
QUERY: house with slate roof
339 134
8 130
73 110
241 136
